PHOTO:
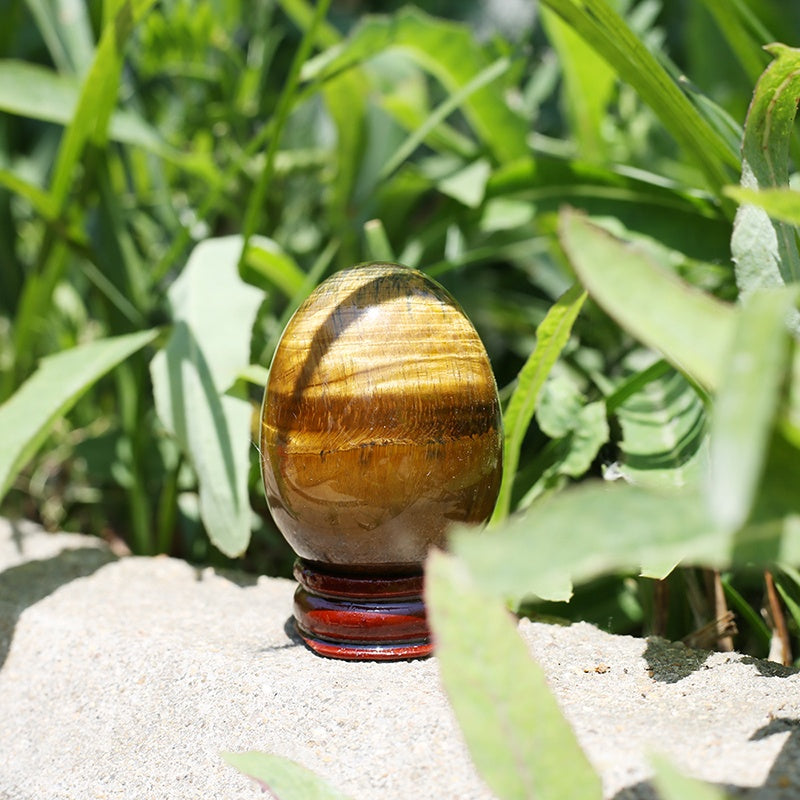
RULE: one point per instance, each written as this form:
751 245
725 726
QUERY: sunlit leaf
36 92
448 51
98 96
214 311
765 251
664 434
590 530
551 337
692 329
606 31
518 739
266 264
28 416
746 403
283 778
779 203
66 27
672 785
588 86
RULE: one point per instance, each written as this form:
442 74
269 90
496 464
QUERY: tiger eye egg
381 425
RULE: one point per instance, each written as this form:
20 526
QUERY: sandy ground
125 678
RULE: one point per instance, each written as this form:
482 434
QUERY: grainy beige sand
126 678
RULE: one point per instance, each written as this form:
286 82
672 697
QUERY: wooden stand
360 618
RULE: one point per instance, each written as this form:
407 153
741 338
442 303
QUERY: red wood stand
360 618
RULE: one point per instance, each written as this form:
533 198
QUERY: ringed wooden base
360 618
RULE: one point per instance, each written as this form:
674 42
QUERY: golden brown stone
381 425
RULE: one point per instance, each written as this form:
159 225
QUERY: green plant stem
141 519
285 102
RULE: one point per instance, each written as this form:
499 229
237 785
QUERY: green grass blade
97 98
735 22
282 778
439 114
36 92
551 337
40 200
746 404
607 32
588 86
692 329
517 737
302 13
747 613
267 265
67 30
376 241
214 312
287 97
448 51
765 252
27 416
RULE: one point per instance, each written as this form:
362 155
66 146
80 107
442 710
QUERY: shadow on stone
243 580
769 669
784 775
293 638
670 662
783 779
25 584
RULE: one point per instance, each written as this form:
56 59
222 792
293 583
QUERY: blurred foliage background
193 169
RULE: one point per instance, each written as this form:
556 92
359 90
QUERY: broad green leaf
664 434
746 403
579 428
690 328
517 737
588 434
33 91
98 97
672 785
214 312
588 86
779 203
559 404
597 529
267 265
27 416
771 533
282 778
449 52
605 30
590 530
551 337
765 251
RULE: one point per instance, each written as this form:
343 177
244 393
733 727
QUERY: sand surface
125 678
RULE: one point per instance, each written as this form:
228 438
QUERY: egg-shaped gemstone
381 425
